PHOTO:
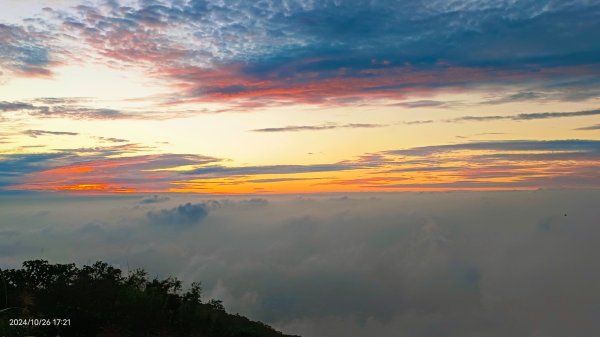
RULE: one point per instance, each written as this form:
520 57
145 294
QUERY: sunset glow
172 97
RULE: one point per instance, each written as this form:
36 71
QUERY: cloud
592 127
37 133
183 215
112 140
333 52
517 97
220 171
422 104
444 264
576 90
57 109
96 170
74 108
274 180
14 165
499 164
254 202
81 113
517 117
329 126
154 199
575 145
429 121
16 106
527 116
25 51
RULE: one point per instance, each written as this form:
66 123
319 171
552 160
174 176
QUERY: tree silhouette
98 300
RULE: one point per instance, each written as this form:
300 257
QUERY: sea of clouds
408 264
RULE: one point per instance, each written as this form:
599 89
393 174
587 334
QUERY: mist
396 264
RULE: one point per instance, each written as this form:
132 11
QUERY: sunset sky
223 141
299 96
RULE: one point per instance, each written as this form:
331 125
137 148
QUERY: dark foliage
98 300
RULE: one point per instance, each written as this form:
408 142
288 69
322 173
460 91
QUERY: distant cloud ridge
187 214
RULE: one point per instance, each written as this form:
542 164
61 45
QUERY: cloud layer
327 52
506 164
441 264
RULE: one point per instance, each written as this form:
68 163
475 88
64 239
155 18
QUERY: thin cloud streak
296 128
593 127
527 116
37 133
518 117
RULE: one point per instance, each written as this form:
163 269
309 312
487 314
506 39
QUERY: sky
454 264
276 97
252 146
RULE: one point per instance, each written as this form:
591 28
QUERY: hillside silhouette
99 300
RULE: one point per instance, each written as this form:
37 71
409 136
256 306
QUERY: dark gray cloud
37 133
296 128
183 215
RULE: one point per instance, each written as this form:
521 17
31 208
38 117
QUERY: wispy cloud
576 145
429 121
517 117
592 127
223 171
57 108
527 116
73 108
37 133
16 106
424 104
112 140
328 126
517 97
